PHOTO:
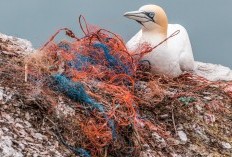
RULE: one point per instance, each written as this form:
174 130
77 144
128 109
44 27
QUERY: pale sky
208 22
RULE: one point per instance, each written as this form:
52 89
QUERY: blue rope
64 46
112 126
113 62
78 151
76 92
81 61
82 152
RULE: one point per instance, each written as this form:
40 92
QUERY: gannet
175 55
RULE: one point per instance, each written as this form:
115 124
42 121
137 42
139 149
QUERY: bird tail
213 72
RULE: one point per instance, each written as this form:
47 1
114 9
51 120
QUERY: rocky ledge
198 128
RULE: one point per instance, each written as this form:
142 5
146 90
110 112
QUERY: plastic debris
101 79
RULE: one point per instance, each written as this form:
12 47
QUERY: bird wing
213 72
182 45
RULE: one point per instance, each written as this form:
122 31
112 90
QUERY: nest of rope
112 93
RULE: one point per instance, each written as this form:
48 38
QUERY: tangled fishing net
107 86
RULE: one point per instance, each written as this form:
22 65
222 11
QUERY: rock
24 142
29 139
38 136
63 110
220 97
207 98
200 106
1 132
22 133
209 118
199 149
172 141
27 124
206 93
27 116
22 146
148 153
228 89
146 146
18 137
161 143
44 153
6 148
201 132
7 117
214 86
182 136
35 155
5 95
17 125
5 129
226 145
141 85
15 45
176 155
1 93
164 116
179 127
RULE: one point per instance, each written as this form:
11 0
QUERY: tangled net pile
99 74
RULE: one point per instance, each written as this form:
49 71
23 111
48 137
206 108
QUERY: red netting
98 71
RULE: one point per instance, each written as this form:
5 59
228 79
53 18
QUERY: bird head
151 17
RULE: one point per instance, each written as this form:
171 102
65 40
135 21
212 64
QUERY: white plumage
175 55
172 57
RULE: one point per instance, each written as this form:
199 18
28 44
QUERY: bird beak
139 16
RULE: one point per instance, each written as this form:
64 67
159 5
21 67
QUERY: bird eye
151 14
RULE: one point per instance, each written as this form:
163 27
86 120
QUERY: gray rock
159 140
182 136
201 132
22 146
6 148
7 117
27 124
17 44
226 145
27 116
63 110
1 94
207 98
17 125
148 153
38 136
29 139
